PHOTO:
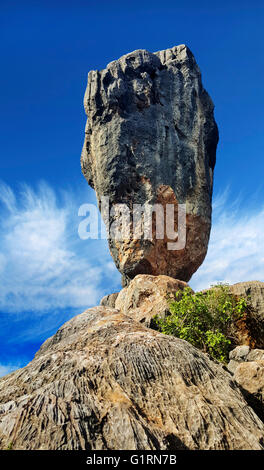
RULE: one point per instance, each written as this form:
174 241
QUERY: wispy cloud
236 248
43 263
6 369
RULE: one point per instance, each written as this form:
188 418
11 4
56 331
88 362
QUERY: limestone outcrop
105 381
247 367
148 296
109 300
150 139
250 375
242 354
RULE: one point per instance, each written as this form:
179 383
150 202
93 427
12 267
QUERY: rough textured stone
237 355
255 355
250 376
151 138
147 296
254 290
104 381
109 300
243 354
240 353
247 367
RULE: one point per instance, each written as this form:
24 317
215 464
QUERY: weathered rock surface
237 355
247 367
244 354
254 291
109 300
148 296
250 375
105 381
151 138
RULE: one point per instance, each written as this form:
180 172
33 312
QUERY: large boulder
148 296
247 367
242 354
250 376
105 381
151 138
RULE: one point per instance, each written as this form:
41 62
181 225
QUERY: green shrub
204 319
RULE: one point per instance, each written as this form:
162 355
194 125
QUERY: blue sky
47 274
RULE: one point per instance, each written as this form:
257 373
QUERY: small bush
204 319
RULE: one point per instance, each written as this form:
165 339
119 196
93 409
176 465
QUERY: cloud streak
43 263
236 249
6 369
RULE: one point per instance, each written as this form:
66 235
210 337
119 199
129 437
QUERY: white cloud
236 248
43 263
4 370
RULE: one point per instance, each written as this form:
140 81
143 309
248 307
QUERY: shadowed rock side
104 381
151 138
253 291
247 365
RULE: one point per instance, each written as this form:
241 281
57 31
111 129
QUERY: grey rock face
247 367
243 354
250 376
240 353
109 300
237 355
105 381
151 138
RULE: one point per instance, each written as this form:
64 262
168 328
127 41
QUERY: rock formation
244 354
105 381
151 138
148 296
254 290
250 376
109 300
247 367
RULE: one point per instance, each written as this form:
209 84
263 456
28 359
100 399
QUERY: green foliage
10 446
204 319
